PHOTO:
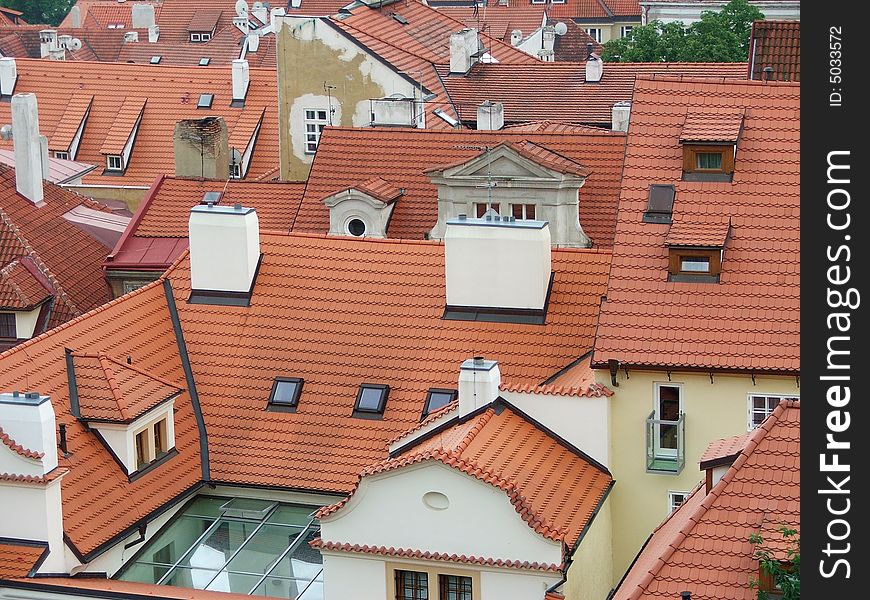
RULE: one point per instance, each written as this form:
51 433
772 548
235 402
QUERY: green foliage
49 12
786 574
721 36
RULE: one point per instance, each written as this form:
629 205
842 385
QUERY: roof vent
211 198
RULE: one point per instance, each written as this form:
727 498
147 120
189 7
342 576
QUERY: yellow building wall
610 31
589 574
712 411
130 195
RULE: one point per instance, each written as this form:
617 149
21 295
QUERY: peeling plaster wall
312 54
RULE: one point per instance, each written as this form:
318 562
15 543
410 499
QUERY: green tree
721 36
49 12
786 574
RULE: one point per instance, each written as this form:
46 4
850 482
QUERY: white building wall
479 521
25 322
520 585
33 512
357 576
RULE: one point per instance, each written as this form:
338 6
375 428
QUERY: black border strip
225 298
491 314
73 385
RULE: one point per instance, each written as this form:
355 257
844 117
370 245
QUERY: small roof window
205 100
660 205
285 394
437 398
155 60
371 400
203 62
211 197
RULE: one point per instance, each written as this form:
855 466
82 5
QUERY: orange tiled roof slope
100 14
573 46
157 234
595 11
559 91
556 495
704 546
775 44
328 295
750 319
172 94
96 489
18 558
64 259
499 20
401 157
97 44
20 286
723 449
10 17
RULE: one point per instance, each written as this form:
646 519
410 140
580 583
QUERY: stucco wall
130 195
713 411
589 576
33 512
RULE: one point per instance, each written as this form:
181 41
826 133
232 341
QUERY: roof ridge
113 386
142 372
710 79
10 443
430 418
479 423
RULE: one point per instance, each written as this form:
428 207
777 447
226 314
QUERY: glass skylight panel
203 62
371 398
436 399
156 60
286 391
205 100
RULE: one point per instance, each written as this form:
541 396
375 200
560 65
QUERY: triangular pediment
502 161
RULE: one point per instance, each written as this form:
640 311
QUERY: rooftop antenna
327 87
490 184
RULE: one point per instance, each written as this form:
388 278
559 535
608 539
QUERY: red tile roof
172 94
712 126
703 233
66 260
775 44
69 123
573 46
559 91
438 556
21 286
497 20
577 380
158 233
110 390
758 292
18 557
96 490
100 13
122 128
598 10
204 20
723 450
380 188
556 495
17 448
704 546
97 44
401 156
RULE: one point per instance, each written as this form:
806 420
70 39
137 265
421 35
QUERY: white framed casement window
625 30
114 162
315 120
62 155
759 407
594 33
195 37
676 499
668 406
235 171
205 37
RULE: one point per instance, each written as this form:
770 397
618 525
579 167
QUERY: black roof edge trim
171 453
188 376
73 385
490 314
594 514
567 367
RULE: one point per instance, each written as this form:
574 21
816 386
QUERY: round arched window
356 227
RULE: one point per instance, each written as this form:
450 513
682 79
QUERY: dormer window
7 326
694 263
709 141
285 394
114 162
695 248
371 400
62 155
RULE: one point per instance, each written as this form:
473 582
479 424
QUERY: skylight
239 545
203 62
205 100
155 60
660 205
211 197
436 398
371 400
285 393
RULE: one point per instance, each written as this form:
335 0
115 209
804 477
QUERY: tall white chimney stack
621 115
27 147
490 116
224 248
8 75
479 380
142 16
594 66
241 80
464 46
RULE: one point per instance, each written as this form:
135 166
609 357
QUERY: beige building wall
589 576
712 411
610 31
320 68
132 196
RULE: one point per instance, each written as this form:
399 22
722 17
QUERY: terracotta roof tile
123 126
760 280
709 233
712 126
723 449
21 288
17 448
573 46
556 494
499 20
402 156
577 380
380 188
172 94
19 558
559 91
775 44
204 20
704 546
70 122
101 13
110 390
437 556
245 127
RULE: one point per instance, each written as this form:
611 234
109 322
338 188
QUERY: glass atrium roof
240 545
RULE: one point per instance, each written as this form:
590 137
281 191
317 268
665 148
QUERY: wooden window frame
150 452
690 158
675 256
524 210
10 327
433 572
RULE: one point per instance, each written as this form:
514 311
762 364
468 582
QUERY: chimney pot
464 45
686 595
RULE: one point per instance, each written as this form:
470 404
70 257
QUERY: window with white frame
594 33
625 30
760 406
114 162
675 500
523 211
205 37
315 120
235 171
151 443
63 155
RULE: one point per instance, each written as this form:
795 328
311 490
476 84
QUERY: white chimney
516 37
242 23
464 46
261 11
43 155
241 79
546 55
142 16
27 147
153 34
490 116
479 380
75 15
253 42
28 418
497 264
594 68
548 37
131 37
8 75
224 248
47 42
65 41
276 13
620 116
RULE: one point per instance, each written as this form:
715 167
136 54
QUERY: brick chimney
202 148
